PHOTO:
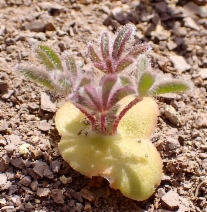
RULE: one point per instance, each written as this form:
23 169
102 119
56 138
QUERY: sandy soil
31 179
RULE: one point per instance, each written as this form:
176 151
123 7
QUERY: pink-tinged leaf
124 63
91 92
123 35
83 79
92 54
120 94
105 45
138 49
107 84
85 101
101 66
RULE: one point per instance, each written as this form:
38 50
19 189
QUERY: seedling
108 119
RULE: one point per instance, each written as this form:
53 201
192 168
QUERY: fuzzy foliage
100 102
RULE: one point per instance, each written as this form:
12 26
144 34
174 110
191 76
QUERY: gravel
35 177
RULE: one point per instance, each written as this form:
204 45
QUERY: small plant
108 119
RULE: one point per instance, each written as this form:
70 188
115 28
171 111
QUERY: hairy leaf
169 86
107 84
125 80
36 75
45 59
143 63
50 55
123 35
71 65
60 81
85 101
85 80
105 45
138 49
101 66
93 96
92 54
123 64
146 80
120 94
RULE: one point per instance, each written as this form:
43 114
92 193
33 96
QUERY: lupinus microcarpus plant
106 123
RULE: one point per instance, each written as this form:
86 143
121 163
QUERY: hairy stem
123 112
103 123
109 66
89 116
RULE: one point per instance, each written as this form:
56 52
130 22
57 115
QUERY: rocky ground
33 176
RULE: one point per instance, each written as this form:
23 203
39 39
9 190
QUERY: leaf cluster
100 103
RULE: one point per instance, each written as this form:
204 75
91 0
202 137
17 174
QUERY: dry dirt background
33 176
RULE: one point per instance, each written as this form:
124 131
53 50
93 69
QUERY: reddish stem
109 65
123 112
89 116
103 122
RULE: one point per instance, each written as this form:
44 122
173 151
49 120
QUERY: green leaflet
125 80
71 64
169 87
145 82
49 58
37 76
143 63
